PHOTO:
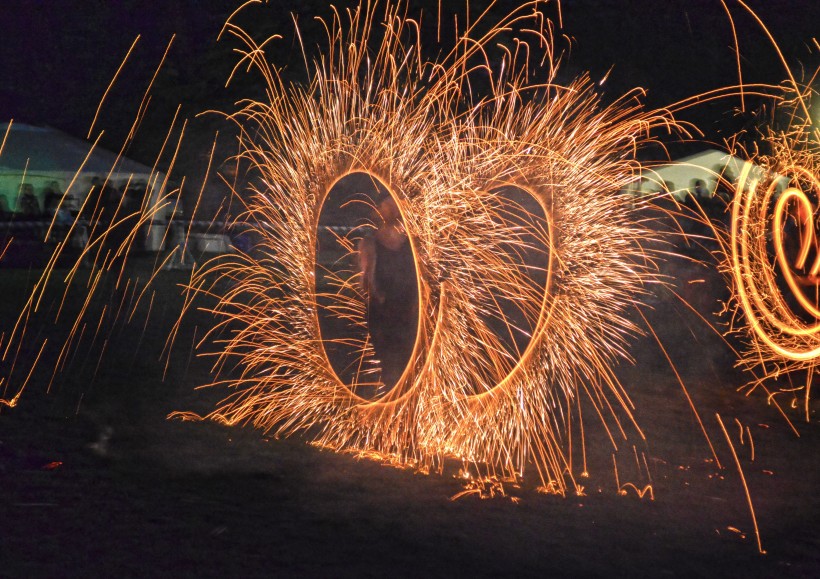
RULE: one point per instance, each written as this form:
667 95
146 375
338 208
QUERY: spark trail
375 105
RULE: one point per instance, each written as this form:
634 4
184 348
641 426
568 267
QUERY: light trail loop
768 310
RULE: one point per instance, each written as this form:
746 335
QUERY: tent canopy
48 159
681 175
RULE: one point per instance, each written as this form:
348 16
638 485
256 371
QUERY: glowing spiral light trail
772 254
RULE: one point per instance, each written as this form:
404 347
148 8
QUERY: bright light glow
373 105
773 259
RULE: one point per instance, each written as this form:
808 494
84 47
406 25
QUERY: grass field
97 482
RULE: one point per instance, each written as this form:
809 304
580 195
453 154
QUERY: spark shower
375 106
528 262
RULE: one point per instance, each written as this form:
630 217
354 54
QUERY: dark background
167 497
57 57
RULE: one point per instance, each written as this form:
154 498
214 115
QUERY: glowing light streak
13 401
640 492
685 391
111 84
6 136
737 55
374 106
99 255
779 319
742 480
777 328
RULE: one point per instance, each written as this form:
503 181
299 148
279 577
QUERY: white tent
681 176
40 159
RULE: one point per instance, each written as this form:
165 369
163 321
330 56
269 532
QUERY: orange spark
771 256
742 480
449 159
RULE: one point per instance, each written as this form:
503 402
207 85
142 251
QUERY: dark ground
198 499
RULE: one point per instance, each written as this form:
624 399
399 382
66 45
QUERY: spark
774 306
374 106
742 480
100 264
15 399
111 84
781 316
640 492
6 136
685 391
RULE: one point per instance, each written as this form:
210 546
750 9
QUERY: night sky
57 57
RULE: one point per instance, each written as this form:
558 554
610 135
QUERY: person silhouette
388 270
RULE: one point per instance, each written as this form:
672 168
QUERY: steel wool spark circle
448 158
